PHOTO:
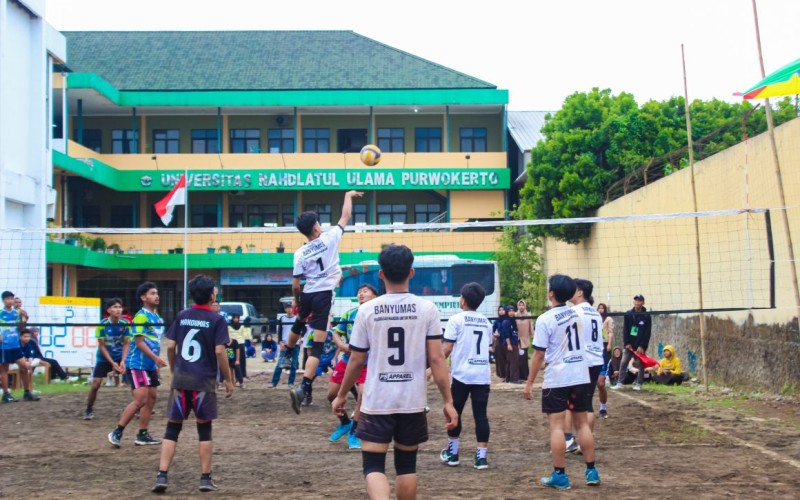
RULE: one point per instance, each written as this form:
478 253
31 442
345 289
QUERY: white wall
28 47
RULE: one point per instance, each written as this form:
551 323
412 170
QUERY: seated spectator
31 352
612 371
633 370
269 349
668 370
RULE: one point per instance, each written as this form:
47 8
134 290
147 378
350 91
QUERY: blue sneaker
592 477
556 480
353 443
340 431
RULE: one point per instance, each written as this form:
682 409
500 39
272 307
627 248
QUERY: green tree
520 267
597 138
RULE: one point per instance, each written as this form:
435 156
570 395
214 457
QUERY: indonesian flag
175 197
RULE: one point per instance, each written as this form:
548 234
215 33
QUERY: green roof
254 60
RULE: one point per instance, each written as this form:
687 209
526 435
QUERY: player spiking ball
318 262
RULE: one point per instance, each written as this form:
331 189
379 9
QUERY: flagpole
186 242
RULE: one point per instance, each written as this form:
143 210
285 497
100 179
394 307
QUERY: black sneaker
307 401
8 398
208 484
88 415
146 440
29 396
114 437
161 483
603 414
298 397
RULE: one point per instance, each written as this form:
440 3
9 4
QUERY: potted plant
171 251
85 241
224 249
72 239
157 251
131 250
211 248
99 245
179 248
57 237
114 248
239 249
251 248
280 248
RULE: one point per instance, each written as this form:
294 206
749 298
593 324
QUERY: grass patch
686 433
54 387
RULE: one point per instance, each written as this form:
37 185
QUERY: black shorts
8 356
408 429
573 398
317 305
182 402
594 374
103 368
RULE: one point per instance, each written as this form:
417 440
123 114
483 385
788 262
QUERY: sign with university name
292 180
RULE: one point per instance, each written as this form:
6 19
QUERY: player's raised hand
354 193
450 416
228 389
337 406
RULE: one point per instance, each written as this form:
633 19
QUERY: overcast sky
539 51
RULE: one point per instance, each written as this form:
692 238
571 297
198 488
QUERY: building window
360 213
123 141
122 216
166 141
236 216
205 141
93 139
204 215
281 140
262 215
245 140
473 140
324 212
391 140
390 213
88 216
316 140
288 216
428 140
426 212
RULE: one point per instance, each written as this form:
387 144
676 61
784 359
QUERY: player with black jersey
318 262
195 351
402 334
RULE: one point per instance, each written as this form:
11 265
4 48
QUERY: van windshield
232 309
426 280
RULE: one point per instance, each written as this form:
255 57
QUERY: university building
267 124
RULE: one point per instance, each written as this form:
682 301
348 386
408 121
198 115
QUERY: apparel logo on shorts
396 377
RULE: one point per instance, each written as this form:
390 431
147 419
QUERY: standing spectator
499 348
217 308
635 337
241 333
269 349
608 341
510 338
23 314
525 331
283 329
669 370
10 348
233 354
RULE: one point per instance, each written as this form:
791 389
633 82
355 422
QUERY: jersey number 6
191 350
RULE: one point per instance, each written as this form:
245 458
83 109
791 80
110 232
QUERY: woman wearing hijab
510 338
499 348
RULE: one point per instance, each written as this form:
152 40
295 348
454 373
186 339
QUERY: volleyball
370 155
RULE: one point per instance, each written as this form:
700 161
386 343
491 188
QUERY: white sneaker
73 379
616 387
637 387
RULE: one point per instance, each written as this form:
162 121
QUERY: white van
243 309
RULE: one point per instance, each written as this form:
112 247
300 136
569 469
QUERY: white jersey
559 333
592 333
318 261
395 329
471 334
284 327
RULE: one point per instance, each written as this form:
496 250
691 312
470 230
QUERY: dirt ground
652 445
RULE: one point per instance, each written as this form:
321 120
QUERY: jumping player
468 336
557 339
143 364
113 342
592 341
196 349
318 262
366 292
401 332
